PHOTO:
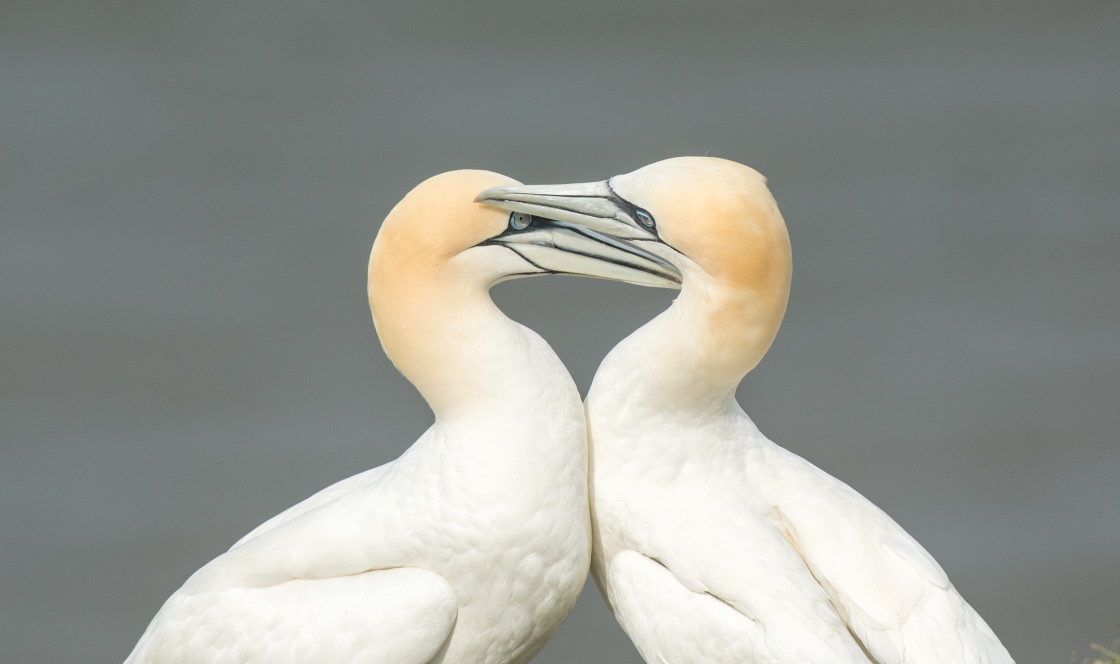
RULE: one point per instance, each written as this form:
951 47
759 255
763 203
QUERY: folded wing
892 594
391 616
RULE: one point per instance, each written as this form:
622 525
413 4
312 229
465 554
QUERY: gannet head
439 252
440 226
713 219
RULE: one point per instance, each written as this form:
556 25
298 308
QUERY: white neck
693 355
680 370
470 361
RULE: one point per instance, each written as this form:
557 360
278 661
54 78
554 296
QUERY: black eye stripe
635 212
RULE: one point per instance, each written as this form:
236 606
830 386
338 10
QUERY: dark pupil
520 221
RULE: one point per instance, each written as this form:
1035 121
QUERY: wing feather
318 499
703 568
392 616
894 596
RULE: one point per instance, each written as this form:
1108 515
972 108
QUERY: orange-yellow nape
437 220
722 217
720 214
413 284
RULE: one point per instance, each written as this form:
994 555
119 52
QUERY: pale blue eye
519 221
644 217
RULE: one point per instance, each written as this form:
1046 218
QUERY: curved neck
451 342
694 355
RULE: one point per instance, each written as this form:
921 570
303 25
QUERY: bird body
472 546
769 558
475 527
710 542
687 550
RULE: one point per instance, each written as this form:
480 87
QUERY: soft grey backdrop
189 191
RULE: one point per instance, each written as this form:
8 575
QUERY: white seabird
471 547
711 543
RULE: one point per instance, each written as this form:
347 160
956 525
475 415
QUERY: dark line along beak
580 229
592 205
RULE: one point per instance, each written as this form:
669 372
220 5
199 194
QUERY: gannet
712 543
473 545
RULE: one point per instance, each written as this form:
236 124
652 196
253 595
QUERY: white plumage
473 546
711 543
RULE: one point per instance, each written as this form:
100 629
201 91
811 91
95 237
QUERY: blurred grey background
189 191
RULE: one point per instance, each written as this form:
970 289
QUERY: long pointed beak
581 229
593 205
560 247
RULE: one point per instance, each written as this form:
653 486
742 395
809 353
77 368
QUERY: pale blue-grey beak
580 229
